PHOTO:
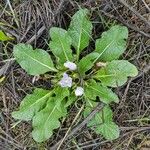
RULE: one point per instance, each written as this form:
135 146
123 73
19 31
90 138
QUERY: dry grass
29 21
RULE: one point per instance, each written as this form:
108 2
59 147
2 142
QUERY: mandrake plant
87 79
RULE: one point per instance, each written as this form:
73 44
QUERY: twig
3 10
70 127
134 11
39 33
87 144
13 13
3 69
125 23
144 70
12 142
137 129
43 28
146 5
82 124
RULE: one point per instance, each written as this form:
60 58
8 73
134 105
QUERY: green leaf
102 123
35 62
105 115
60 44
31 104
86 63
4 37
112 43
60 94
80 30
70 100
116 73
110 131
94 90
45 121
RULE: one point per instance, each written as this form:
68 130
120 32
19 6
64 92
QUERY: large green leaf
80 30
112 43
31 104
86 63
102 123
35 62
94 90
60 44
116 72
45 121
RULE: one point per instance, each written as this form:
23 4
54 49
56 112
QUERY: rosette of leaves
96 73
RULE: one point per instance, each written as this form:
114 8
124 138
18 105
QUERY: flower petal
66 81
79 91
70 65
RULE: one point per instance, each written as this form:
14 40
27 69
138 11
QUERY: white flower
66 81
70 65
79 91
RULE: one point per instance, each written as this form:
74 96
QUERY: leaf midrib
106 48
40 62
103 51
63 49
79 42
96 90
50 114
104 76
45 96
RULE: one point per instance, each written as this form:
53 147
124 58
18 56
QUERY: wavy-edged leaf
104 115
31 104
94 89
102 123
110 131
45 121
112 43
80 30
116 73
60 44
86 63
35 62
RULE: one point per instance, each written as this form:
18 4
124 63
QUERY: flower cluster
66 80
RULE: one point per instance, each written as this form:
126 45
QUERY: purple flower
66 81
70 65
